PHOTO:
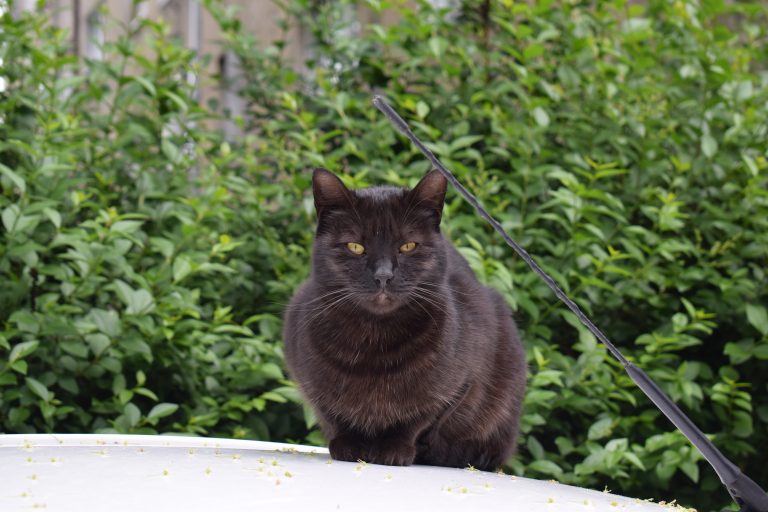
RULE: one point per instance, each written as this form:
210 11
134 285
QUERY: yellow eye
355 248
408 247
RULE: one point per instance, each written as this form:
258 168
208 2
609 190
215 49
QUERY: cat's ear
329 191
430 192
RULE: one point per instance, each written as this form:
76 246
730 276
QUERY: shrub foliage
145 260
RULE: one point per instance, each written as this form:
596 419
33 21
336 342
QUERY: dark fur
433 375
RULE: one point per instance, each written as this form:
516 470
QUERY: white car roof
82 473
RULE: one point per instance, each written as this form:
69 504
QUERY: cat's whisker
423 308
440 297
445 287
440 293
430 301
334 293
325 308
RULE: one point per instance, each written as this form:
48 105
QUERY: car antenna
744 491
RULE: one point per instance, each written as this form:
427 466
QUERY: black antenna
744 491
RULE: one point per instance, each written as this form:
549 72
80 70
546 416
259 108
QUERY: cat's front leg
392 449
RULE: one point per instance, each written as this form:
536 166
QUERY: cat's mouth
383 301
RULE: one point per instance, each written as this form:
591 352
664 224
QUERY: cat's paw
389 452
392 454
346 450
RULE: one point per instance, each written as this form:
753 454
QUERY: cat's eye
355 248
408 247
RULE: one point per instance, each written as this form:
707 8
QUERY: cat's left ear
329 191
430 192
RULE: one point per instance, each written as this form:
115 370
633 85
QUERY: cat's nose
383 274
383 278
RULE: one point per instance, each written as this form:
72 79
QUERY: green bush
135 266
624 146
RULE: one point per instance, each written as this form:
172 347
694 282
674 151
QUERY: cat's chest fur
406 356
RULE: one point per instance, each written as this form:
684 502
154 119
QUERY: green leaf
635 460
20 366
38 388
8 379
546 467
464 141
98 343
708 145
22 350
171 151
532 51
75 348
132 414
183 107
691 469
17 180
600 429
535 447
124 396
138 301
422 109
146 84
9 217
758 317
275 397
438 45
272 371
162 410
53 216
182 267
126 226
107 321
290 393
541 117
147 393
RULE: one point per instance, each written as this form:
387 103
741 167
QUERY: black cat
402 354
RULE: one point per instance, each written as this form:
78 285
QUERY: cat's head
379 247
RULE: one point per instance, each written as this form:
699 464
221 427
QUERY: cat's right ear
329 191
